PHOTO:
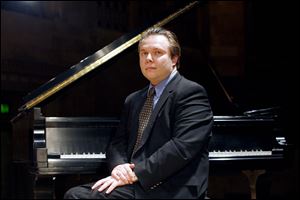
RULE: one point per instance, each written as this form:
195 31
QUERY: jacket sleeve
117 148
191 128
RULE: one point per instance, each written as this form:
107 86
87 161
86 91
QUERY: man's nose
149 57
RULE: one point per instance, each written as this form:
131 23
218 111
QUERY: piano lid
90 63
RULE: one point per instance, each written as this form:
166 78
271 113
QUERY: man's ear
175 60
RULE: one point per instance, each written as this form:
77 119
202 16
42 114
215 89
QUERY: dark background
252 46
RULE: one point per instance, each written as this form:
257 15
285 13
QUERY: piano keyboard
84 156
218 154
212 154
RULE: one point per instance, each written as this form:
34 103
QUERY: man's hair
175 49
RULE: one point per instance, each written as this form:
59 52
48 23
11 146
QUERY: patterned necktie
144 117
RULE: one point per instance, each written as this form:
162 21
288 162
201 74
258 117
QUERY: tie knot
151 92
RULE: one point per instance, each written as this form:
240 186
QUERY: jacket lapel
164 96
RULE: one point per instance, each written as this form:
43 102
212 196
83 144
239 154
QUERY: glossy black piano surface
67 145
247 142
63 145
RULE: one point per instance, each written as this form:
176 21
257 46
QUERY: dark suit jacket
172 159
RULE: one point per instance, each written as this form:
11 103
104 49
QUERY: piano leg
44 187
252 176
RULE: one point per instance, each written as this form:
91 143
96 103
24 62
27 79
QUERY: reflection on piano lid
271 112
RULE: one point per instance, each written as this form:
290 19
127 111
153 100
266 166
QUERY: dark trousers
128 192
85 192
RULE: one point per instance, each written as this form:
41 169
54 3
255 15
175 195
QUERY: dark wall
273 59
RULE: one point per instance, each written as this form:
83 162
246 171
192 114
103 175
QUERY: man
160 149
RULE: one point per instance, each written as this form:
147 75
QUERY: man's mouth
150 68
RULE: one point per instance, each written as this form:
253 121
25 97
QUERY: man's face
155 59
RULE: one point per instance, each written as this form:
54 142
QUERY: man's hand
124 172
108 182
120 175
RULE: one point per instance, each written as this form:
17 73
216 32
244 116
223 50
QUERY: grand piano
49 149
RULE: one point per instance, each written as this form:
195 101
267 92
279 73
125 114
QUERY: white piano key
84 156
245 153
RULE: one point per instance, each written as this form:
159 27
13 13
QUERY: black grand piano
48 149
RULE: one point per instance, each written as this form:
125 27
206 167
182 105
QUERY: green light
4 108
